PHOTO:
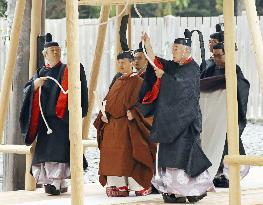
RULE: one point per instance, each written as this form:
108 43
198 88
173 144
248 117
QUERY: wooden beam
15 149
74 104
232 106
104 16
254 27
120 2
35 31
244 160
90 143
10 64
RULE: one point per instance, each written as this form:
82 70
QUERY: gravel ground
252 139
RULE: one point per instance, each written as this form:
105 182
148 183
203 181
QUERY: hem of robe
176 181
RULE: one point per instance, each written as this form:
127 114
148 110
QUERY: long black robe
242 99
54 147
177 117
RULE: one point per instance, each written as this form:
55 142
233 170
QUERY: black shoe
193 199
154 190
221 182
51 189
173 199
63 190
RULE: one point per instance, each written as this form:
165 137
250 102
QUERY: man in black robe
171 94
50 128
217 71
140 61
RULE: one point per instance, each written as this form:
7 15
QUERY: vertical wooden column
104 16
118 49
10 64
35 31
232 106
254 27
74 104
30 183
36 19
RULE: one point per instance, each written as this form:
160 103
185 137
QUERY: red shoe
114 191
143 192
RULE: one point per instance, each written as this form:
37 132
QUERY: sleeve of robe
26 109
142 148
243 87
178 105
148 82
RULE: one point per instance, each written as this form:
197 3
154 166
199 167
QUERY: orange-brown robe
125 149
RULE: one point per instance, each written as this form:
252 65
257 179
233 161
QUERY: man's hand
39 82
129 115
104 119
159 73
146 39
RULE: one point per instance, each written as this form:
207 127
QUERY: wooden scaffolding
76 132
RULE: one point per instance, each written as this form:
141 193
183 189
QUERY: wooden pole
239 159
74 104
10 64
119 2
104 16
117 29
30 183
35 31
232 106
36 19
254 27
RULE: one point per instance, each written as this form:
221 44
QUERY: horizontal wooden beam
89 143
120 2
244 160
15 149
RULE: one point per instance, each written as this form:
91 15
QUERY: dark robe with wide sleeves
177 117
54 147
213 79
125 149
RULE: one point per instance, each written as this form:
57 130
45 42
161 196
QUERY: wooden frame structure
75 129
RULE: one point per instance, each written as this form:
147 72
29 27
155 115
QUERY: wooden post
36 19
117 30
10 64
104 16
30 183
232 106
74 104
254 27
35 31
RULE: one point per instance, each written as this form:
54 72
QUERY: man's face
179 52
125 65
53 54
211 44
219 57
140 61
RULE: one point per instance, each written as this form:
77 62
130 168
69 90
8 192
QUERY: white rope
111 19
157 176
147 57
49 130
